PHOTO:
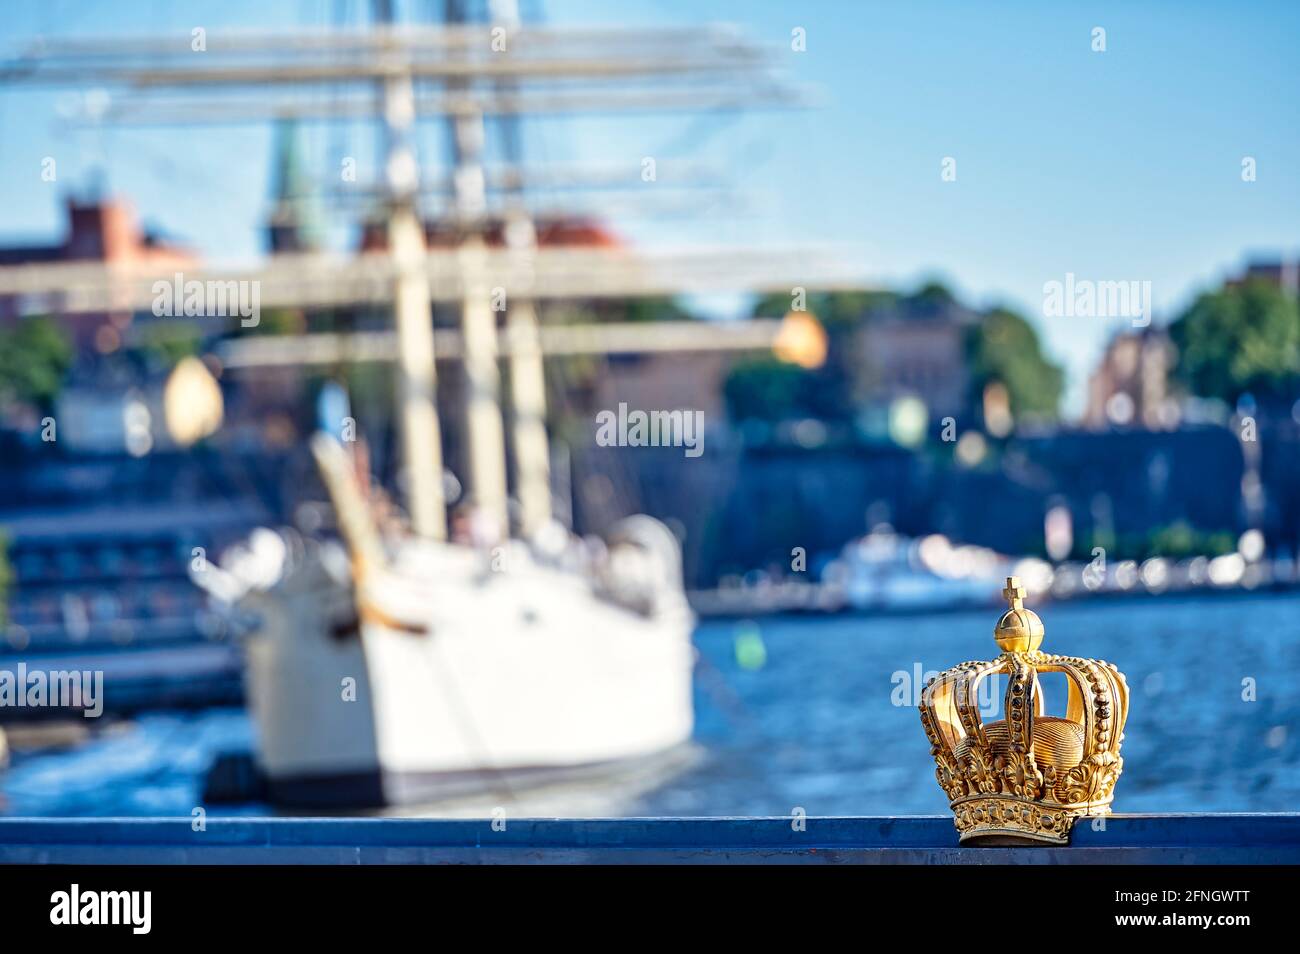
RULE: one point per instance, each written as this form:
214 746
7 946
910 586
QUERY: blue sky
1117 165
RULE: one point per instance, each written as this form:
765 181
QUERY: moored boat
409 669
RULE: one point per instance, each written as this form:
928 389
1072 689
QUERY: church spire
295 224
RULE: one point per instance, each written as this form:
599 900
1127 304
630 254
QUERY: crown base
1002 820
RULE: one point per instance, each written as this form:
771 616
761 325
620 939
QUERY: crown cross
1014 593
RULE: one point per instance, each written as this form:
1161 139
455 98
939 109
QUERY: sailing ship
404 666
414 670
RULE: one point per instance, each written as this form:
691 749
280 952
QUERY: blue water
800 713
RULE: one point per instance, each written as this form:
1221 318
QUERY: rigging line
700 129
167 168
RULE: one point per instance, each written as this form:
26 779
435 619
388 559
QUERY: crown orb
1019 630
1025 778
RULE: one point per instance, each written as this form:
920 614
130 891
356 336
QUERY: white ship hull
458 678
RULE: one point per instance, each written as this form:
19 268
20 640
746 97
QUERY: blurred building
99 229
917 348
666 381
559 232
1283 273
101 545
1129 386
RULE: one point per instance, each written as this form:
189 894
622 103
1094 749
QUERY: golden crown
1026 777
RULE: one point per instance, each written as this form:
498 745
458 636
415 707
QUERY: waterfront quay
1190 839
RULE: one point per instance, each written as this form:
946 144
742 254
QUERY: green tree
653 309
765 388
837 311
165 345
34 359
1240 339
1001 346
282 322
1004 347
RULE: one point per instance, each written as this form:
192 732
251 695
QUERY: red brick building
106 231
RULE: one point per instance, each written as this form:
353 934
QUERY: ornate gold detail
1026 777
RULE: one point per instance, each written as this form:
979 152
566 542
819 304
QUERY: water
799 713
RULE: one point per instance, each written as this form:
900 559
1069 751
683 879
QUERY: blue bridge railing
1124 839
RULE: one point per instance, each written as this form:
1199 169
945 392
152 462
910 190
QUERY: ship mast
484 431
543 71
527 374
417 387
